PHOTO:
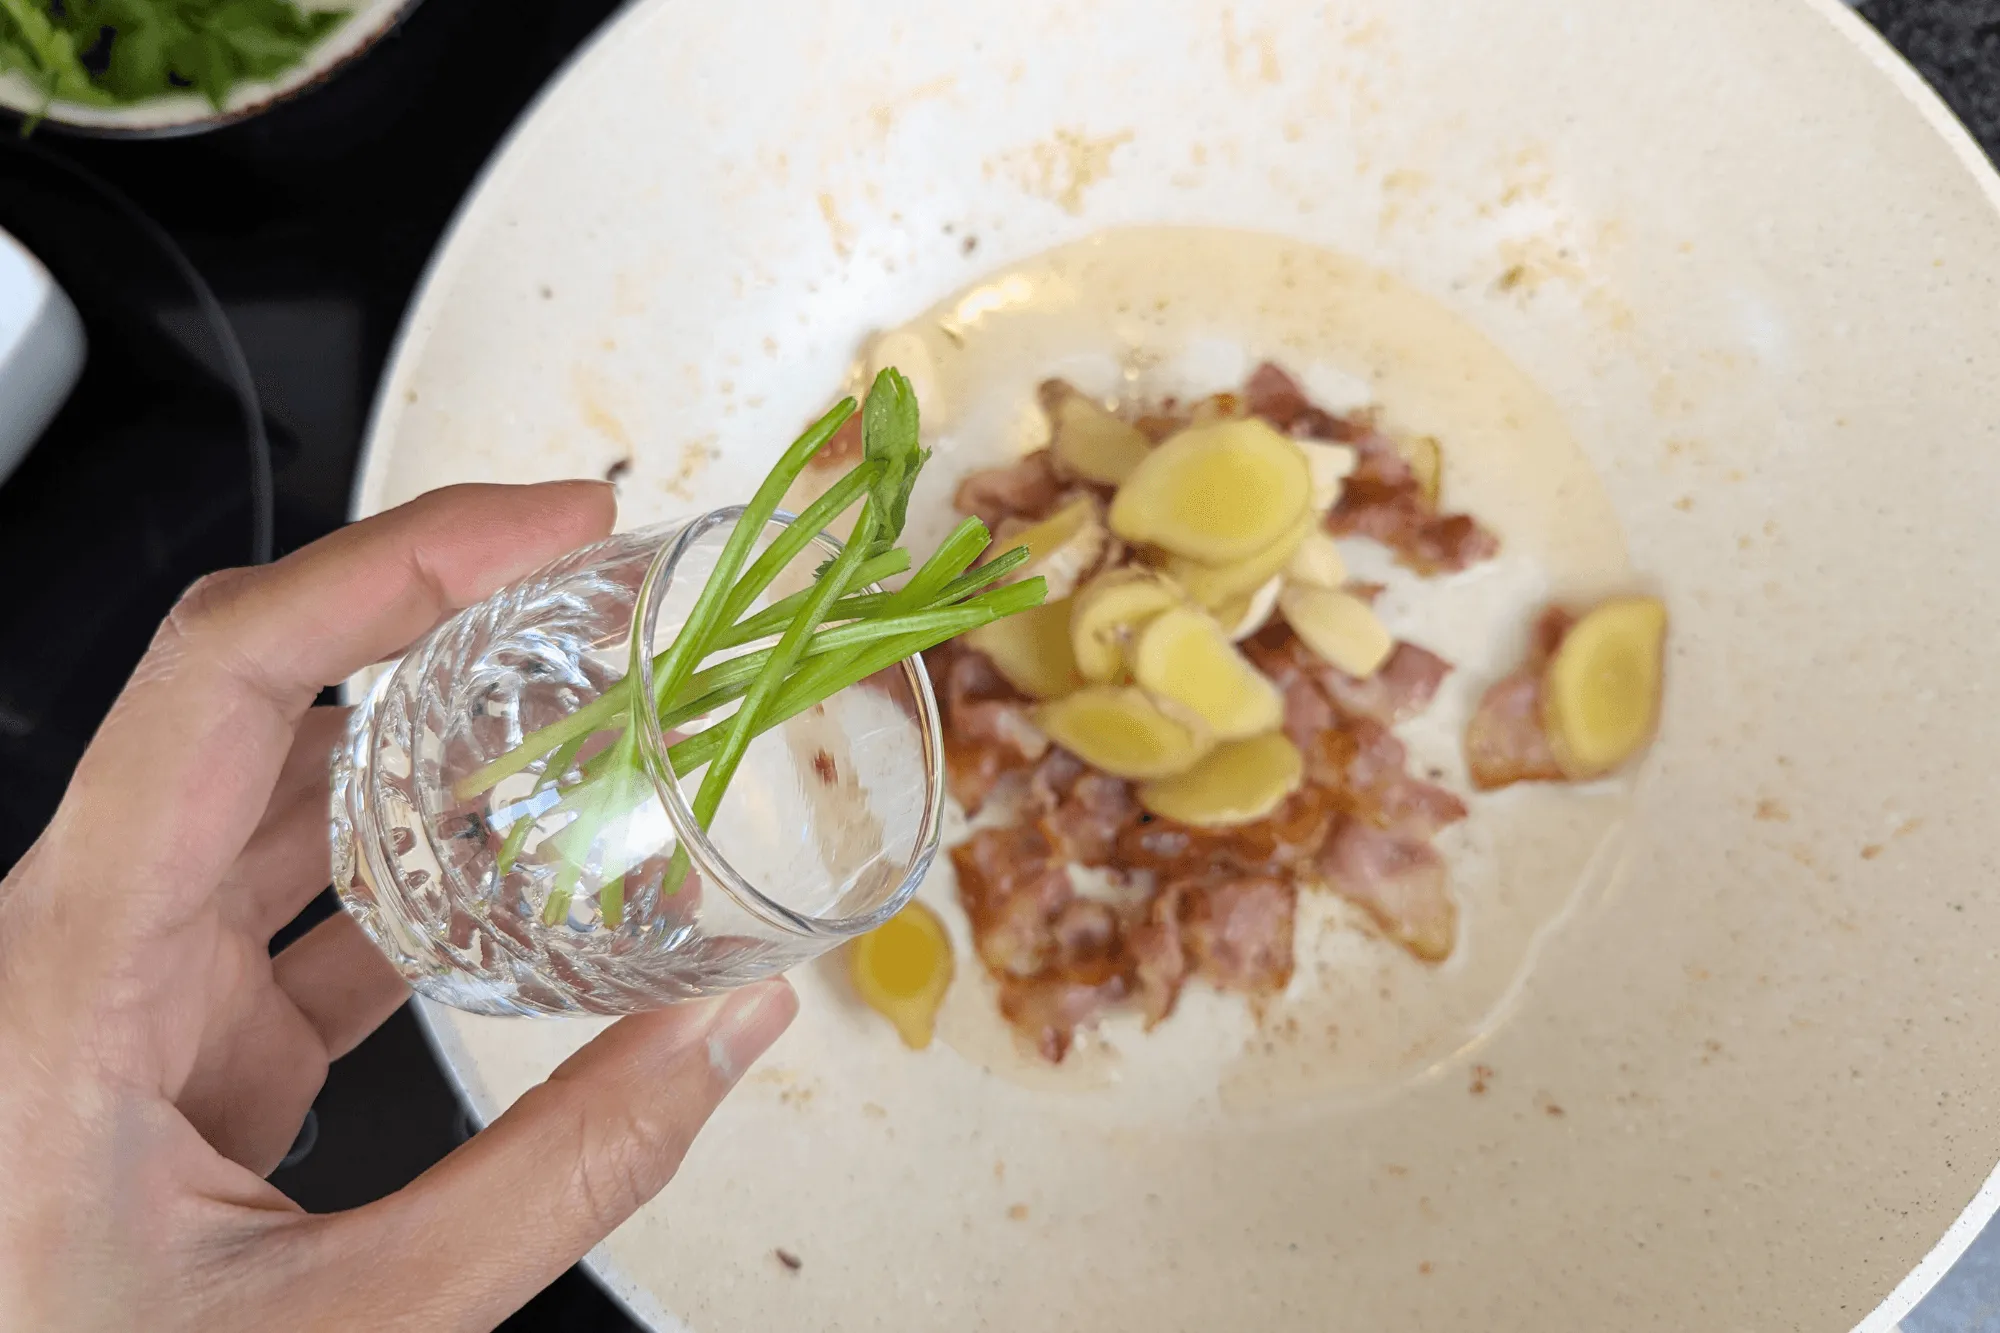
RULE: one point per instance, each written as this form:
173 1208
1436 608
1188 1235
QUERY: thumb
473 1238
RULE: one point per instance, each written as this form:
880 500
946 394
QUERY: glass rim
709 859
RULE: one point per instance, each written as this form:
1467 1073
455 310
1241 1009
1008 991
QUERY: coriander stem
771 678
982 576
795 538
517 836
778 614
829 674
953 554
600 713
690 645
718 685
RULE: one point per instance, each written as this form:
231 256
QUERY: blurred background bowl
190 112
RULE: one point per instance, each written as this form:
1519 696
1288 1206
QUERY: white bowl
1756 267
192 113
41 350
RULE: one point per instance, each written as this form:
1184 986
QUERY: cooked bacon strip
1285 840
1029 489
1399 881
1088 940
1159 959
1049 1010
1238 933
1383 500
1012 890
1401 689
1506 741
1351 749
1428 543
1272 394
989 731
1381 790
1079 810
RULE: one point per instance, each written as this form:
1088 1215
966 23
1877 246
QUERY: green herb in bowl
117 52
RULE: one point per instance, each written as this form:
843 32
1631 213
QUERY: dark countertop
1955 44
313 224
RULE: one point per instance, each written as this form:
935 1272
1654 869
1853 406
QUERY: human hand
155 1062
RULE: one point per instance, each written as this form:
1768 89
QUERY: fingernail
748 1024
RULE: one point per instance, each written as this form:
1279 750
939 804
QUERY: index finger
178 775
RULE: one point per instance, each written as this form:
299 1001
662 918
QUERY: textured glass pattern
827 829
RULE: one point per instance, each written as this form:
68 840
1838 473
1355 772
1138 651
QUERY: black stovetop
312 225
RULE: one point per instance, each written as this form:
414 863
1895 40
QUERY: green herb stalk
828 636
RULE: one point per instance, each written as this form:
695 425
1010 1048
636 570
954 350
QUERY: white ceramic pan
1742 1073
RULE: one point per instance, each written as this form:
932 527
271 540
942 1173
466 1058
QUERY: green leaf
889 437
138 65
157 47
203 61
31 41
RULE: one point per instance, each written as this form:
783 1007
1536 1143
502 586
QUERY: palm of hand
161 1060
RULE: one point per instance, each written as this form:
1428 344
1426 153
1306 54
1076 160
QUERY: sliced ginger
1317 562
1214 585
1234 783
1426 459
901 969
1185 657
1031 650
1108 613
1218 493
1339 626
1240 617
1601 692
1063 548
1124 732
1329 466
1091 443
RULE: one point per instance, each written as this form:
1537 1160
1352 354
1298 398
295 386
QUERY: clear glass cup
829 826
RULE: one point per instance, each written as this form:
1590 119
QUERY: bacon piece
1087 973
1352 750
1159 960
1381 790
1286 839
1309 714
988 728
1383 500
1012 889
1399 881
1028 489
1427 542
1506 741
1049 1010
1238 932
1274 395
1078 809
1401 689
1088 940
